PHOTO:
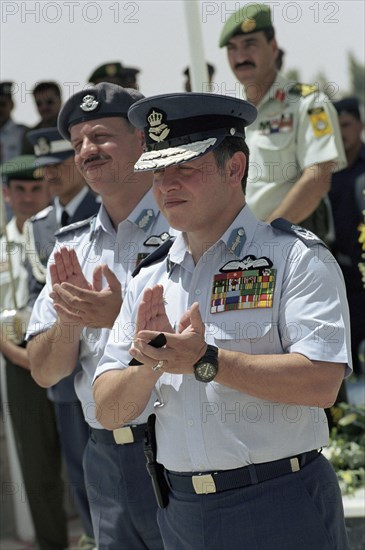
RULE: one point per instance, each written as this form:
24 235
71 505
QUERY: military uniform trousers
123 506
74 435
37 444
293 511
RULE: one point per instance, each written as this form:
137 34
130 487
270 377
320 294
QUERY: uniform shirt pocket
277 157
252 331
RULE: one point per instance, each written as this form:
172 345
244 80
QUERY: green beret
249 18
20 168
113 70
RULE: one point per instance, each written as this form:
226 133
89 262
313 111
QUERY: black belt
224 480
120 436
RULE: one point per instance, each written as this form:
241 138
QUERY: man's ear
275 48
142 140
6 194
236 167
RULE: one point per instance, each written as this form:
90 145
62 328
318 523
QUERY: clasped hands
78 301
183 348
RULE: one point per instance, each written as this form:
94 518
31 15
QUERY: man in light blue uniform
87 277
257 344
73 201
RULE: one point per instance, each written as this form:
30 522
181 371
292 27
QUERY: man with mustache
295 143
88 273
73 201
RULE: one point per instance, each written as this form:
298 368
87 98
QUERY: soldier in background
32 414
295 143
115 73
11 133
186 73
47 96
347 197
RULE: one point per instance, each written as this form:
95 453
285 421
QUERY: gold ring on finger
159 365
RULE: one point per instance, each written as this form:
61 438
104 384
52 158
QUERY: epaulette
302 89
74 227
159 254
306 236
42 214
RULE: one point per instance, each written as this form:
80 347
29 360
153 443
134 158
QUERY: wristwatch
207 367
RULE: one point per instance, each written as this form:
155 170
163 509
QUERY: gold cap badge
248 25
158 131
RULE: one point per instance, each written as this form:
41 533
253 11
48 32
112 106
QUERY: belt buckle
123 435
294 464
204 484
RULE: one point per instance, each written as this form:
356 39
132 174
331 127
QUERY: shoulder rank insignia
306 236
42 214
83 224
302 89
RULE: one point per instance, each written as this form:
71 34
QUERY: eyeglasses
48 101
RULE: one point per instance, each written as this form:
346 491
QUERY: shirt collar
142 215
70 207
13 232
236 237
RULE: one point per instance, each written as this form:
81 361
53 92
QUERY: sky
66 40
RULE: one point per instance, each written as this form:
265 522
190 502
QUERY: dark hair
279 59
228 147
269 32
43 86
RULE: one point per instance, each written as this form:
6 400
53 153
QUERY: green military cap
20 168
113 70
249 18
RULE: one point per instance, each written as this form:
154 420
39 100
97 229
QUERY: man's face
252 58
196 195
27 197
351 129
48 104
64 179
6 106
106 150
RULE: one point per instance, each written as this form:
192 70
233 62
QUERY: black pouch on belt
155 469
